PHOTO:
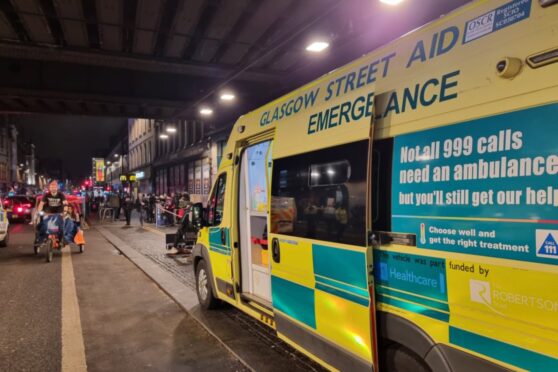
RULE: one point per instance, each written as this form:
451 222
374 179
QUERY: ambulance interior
255 168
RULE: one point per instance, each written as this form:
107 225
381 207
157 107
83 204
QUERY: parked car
18 207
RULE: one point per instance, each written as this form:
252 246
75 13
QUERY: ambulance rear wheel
396 357
204 290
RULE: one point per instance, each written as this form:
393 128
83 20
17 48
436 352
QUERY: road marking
73 349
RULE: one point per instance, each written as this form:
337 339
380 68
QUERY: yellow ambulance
401 212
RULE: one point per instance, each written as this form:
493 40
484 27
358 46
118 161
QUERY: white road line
73 349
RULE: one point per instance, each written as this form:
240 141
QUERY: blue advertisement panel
485 187
412 282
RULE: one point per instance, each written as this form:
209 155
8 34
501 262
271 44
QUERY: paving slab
254 343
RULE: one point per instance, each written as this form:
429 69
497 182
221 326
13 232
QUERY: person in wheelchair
186 233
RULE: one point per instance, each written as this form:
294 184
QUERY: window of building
185 131
220 150
199 131
191 177
324 193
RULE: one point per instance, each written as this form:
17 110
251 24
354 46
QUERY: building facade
5 147
17 158
116 165
186 158
141 144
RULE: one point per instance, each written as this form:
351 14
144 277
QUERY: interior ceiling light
391 2
206 111
317 46
171 130
227 97
163 136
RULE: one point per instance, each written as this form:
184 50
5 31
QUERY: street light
227 96
317 46
391 2
206 111
163 136
116 155
171 130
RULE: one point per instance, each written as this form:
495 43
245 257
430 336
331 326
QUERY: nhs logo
547 245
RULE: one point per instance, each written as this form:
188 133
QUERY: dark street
127 323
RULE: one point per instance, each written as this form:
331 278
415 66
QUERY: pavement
252 342
95 311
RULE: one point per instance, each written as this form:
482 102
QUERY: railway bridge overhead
164 58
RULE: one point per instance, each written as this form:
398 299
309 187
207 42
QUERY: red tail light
27 206
19 209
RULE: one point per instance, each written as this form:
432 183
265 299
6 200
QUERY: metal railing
105 213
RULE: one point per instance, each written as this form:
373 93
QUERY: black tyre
4 243
397 358
81 248
49 251
204 290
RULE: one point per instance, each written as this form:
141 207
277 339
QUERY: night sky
74 139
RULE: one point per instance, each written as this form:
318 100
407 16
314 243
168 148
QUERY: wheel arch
397 329
439 357
200 252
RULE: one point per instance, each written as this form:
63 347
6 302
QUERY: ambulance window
382 155
321 195
217 202
329 174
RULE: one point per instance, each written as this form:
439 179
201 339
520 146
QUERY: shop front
143 182
187 171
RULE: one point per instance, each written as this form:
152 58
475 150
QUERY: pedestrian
139 207
128 206
175 200
114 203
169 208
151 201
183 204
121 197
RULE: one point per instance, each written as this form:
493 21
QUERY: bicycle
52 241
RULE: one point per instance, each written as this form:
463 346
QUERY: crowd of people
171 207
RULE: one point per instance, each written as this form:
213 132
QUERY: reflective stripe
416 308
505 352
443 306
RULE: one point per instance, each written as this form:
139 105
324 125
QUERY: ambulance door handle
223 237
275 250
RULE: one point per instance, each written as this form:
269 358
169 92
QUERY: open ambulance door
322 284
